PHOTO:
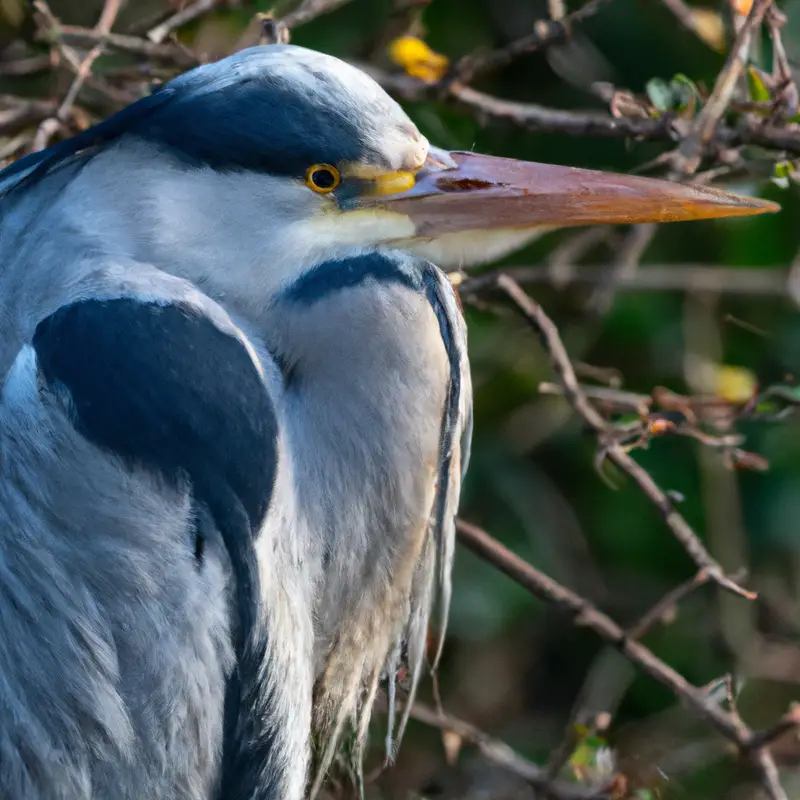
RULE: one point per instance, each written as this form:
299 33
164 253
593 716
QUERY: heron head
278 158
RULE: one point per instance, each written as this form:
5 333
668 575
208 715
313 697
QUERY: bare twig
579 608
626 260
545 33
667 604
789 722
750 281
180 18
764 764
543 119
82 69
686 16
729 724
606 396
694 144
611 449
135 45
308 10
787 93
20 114
501 754
573 249
25 66
585 614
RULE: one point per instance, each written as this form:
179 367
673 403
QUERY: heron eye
323 178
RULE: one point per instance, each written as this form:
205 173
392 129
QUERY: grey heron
235 414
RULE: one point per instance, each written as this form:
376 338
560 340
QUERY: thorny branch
545 33
82 68
609 448
587 615
710 133
754 745
705 124
501 754
749 281
183 17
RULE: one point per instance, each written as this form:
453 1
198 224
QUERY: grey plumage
101 588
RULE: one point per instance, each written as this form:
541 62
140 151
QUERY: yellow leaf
710 27
741 7
417 59
734 384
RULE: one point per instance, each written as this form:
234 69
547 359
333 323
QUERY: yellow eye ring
322 178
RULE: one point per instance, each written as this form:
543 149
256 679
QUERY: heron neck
365 374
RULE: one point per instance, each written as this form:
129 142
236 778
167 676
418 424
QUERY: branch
768 281
685 15
25 66
21 114
501 754
183 17
666 605
308 10
704 126
83 69
134 45
545 33
586 615
626 261
542 119
612 450
768 773
789 722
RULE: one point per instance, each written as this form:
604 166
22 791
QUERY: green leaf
790 394
685 94
756 87
783 173
660 94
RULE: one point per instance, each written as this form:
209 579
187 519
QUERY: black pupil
323 178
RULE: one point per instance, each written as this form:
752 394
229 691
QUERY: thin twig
49 126
749 281
180 18
574 249
789 722
611 450
545 33
586 615
606 396
666 604
21 114
135 45
630 252
500 753
787 96
686 16
25 66
309 10
764 764
543 119
694 144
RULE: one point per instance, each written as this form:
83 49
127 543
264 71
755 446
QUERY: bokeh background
513 666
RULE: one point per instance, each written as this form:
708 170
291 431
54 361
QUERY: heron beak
462 191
